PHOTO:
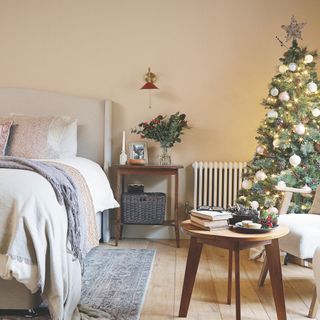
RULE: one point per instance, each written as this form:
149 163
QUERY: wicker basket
143 208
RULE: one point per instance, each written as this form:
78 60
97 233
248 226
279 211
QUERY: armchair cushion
304 235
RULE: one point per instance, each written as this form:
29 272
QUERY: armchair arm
293 190
288 192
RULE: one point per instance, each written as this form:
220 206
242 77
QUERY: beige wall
214 60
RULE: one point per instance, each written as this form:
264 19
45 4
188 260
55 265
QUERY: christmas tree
288 150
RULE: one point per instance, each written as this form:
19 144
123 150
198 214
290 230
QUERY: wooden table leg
230 277
118 210
176 209
314 305
237 282
263 272
190 275
274 266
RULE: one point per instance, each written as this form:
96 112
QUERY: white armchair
304 235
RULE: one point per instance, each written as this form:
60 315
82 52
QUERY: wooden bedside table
149 169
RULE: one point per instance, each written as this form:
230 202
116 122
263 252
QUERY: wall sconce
150 78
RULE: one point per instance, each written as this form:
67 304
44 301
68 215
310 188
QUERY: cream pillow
44 137
315 208
4 135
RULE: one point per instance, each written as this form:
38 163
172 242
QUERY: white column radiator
217 183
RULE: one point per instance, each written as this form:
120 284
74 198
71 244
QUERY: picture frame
138 151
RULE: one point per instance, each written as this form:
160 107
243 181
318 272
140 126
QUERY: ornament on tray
274 91
281 184
292 67
316 112
273 210
260 175
312 87
308 58
295 160
283 68
260 150
246 184
284 96
272 114
300 129
254 205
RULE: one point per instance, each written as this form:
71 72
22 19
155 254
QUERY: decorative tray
238 227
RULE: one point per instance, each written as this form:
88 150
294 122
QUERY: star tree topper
294 29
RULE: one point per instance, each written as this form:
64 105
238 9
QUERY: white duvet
37 226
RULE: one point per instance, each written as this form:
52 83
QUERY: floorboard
210 291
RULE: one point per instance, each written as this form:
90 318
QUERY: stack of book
210 220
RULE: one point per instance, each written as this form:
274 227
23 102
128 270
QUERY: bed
94 153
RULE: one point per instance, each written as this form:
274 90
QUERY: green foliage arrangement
163 129
288 151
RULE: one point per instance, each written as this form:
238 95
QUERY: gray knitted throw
64 188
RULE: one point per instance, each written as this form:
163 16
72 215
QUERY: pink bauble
284 96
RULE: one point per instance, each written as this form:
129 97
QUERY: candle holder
123 155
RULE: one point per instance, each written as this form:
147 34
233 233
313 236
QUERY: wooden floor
209 294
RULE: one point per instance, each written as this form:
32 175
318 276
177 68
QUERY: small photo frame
138 151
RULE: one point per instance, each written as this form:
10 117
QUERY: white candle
123 141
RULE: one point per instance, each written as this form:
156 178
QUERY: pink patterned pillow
4 135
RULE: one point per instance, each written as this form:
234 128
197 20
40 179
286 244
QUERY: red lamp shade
149 85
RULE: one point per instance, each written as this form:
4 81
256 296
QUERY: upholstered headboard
94 117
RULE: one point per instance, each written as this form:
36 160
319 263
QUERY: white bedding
97 181
37 228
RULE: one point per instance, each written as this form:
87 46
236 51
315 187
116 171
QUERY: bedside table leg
176 210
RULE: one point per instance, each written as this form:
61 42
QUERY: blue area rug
114 284
115 281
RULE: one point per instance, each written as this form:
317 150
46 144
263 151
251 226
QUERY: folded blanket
65 190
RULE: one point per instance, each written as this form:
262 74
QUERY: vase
165 156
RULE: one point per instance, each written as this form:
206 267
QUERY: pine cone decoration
317 147
279 121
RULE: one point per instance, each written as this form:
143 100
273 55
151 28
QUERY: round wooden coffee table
234 242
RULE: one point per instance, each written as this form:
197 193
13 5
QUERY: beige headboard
94 117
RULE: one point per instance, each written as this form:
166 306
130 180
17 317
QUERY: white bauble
307 189
300 129
276 142
308 58
295 160
260 175
312 87
284 96
281 184
316 112
292 67
260 150
274 91
283 68
273 210
246 184
254 205
272 114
